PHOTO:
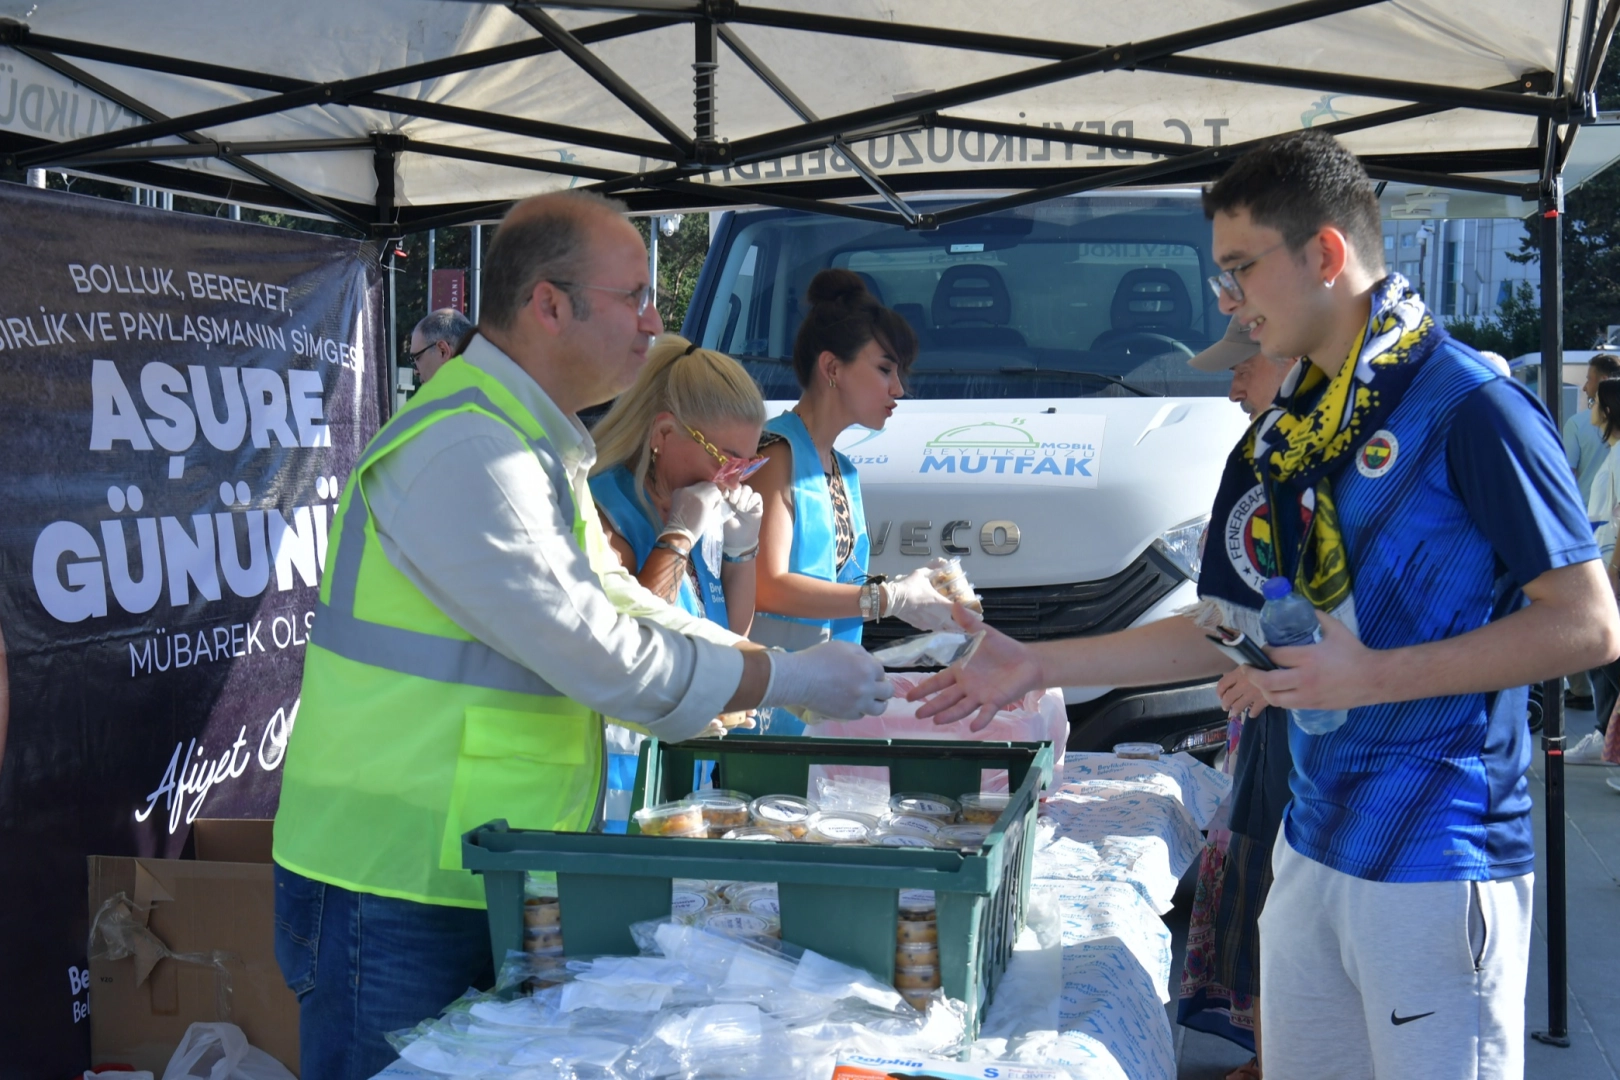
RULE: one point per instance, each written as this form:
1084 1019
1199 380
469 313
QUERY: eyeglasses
413 357
1226 281
732 469
639 297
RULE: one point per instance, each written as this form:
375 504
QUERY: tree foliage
680 258
1591 240
1514 331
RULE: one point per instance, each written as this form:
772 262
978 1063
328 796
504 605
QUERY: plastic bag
220 1051
941 648
1039 716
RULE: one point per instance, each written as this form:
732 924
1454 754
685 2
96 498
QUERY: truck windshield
1092 296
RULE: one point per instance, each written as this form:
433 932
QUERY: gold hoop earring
832 384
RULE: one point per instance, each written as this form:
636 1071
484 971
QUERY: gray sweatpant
1362 979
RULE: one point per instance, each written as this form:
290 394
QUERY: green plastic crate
840 901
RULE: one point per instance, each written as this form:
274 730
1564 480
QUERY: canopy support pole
1552 731
705 65
384 160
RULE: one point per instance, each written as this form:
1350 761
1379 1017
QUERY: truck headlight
1183 545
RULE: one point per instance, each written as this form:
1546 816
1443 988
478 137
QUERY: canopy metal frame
131 155
681 160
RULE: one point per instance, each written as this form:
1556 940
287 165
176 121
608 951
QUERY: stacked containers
542 918
916 948
832 897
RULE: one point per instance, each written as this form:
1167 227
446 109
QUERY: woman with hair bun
850 357
673 455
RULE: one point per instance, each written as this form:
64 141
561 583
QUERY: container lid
782 809
666 811
925 803
737 924
986 800
719 797
886 838
916 900
737 892
841 827
911 823
752 832
1144 750
963 836
766 906
684 903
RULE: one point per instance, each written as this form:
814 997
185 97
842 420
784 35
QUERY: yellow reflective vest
410 731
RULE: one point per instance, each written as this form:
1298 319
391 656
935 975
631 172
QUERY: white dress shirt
469 514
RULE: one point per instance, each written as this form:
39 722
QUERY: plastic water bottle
1289 619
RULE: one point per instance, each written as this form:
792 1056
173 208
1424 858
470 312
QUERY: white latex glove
742 527
914 599
695 511
837 679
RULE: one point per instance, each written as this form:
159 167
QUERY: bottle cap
1276 588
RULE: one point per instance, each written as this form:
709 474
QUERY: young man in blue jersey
1422 502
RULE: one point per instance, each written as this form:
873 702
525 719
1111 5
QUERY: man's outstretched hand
1000 671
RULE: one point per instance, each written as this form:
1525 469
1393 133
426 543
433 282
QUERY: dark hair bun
836 286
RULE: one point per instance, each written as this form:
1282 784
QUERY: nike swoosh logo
1399 1020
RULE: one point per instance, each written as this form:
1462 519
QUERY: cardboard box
199 944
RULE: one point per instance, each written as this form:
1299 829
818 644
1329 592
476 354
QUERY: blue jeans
362 965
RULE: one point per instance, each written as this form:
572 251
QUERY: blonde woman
672 457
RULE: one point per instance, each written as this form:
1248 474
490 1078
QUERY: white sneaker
1589 751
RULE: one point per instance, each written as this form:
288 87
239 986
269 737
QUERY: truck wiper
1097 375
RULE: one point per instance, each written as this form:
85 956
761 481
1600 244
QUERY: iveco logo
999 537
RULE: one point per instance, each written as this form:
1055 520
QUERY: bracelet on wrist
676 542
747 556
871 598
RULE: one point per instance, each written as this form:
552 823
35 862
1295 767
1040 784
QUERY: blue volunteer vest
615 492
815 536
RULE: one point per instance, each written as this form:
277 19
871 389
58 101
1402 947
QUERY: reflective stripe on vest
410 731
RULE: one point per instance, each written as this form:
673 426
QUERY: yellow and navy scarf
1319 422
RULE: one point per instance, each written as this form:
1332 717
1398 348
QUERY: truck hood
1087 484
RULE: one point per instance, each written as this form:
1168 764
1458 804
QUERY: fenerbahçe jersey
1460 500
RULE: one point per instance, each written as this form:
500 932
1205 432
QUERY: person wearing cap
1220 982
1256 377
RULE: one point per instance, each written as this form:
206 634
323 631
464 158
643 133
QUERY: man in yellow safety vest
473 630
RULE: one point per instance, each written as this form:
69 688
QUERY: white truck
1052 437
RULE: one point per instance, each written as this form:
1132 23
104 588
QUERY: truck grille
1043 612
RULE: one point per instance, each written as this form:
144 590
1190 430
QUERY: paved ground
1593 832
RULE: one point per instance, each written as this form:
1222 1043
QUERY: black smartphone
1239 647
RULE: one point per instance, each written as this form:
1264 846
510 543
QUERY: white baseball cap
1227 353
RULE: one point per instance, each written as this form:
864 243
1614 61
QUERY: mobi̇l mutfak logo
1377 454
1011 448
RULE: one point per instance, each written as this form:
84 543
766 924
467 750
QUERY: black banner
181 400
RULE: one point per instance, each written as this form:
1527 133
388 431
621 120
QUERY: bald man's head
546 238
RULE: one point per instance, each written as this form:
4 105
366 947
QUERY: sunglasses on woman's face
733 470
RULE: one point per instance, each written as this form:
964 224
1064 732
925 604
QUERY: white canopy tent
399 115
394 116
